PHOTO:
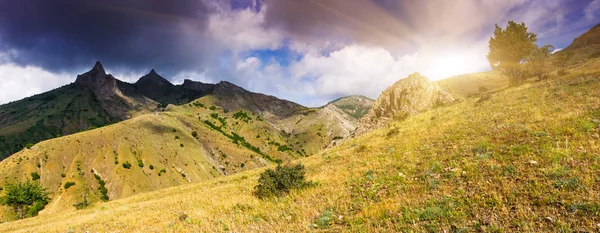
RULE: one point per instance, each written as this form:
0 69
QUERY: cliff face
104 86
121 100
406 97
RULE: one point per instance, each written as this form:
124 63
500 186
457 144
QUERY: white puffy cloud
19 82
242 30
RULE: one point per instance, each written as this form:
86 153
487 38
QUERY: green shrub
151 167
140 163
29 145
62 175
26 198
194 134
35 176
102 188
127 165
324 220
213 108
69 184
280 181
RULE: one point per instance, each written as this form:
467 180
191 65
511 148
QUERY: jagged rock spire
103 85
97 70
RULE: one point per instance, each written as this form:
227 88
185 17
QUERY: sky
306 51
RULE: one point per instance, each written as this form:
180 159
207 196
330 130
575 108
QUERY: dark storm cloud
361 20
133 34
410 23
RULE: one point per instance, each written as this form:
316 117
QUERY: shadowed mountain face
229 96
95 99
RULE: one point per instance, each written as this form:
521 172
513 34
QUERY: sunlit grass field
523 159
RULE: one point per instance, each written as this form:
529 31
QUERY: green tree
538 62
26 196
562 58
509 48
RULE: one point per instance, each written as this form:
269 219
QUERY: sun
447 65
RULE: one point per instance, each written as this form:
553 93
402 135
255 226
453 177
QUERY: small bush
181 145
213 108
35 176
69 184
29 145
194 134
127 165
62 175
140 163
324 220
280 181
151 167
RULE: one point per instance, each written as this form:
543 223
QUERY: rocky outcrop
104 86
197 86
406 97
118 98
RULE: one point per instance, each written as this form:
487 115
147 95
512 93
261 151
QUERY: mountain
355 105
404 98
94 100
586 46
522 159
154 139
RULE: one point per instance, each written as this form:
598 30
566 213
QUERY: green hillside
62 111
355 105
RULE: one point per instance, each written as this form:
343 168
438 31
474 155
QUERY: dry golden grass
526 159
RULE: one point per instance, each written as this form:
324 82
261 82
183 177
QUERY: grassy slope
467 85
163 140
65 110
527 159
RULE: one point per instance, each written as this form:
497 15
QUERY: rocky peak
102 84
153 79
98 69
197 86
405 98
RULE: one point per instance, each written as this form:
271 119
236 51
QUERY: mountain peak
103 85
154 79
98 69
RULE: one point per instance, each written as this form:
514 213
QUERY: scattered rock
533 162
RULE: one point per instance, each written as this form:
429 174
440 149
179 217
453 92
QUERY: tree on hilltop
509 48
